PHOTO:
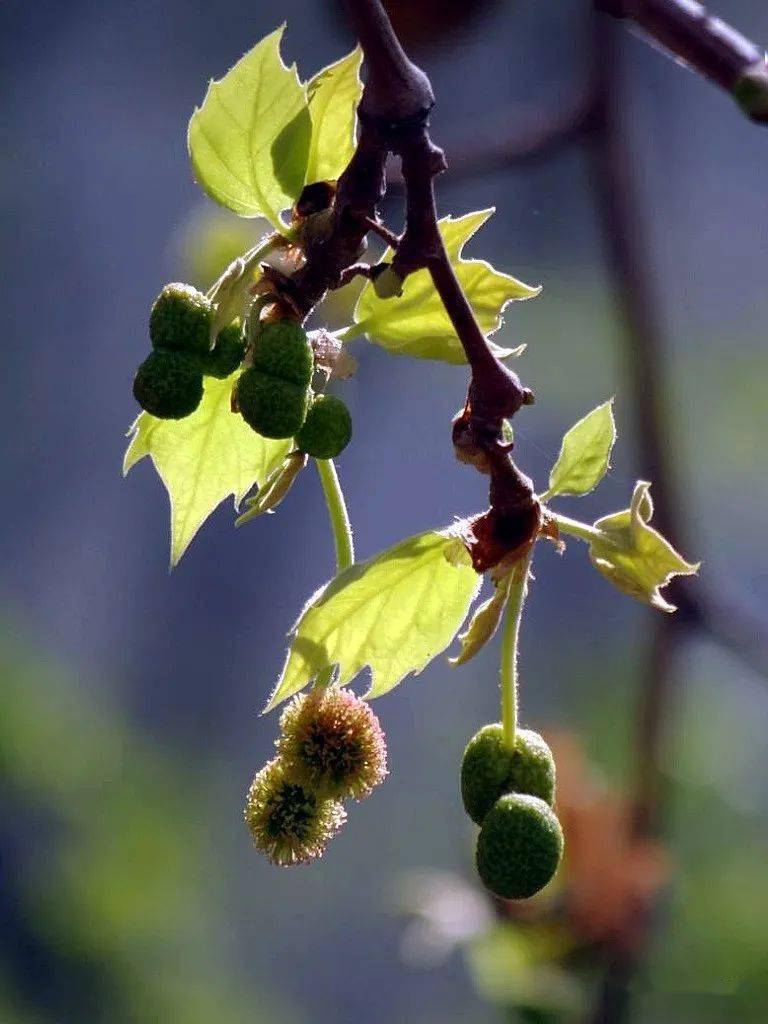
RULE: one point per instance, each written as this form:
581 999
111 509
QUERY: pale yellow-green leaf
334 94
634 556
416 323
249 141
203 459
585 453
392 614
274 489
484 622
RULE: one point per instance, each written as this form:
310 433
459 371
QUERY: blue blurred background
129 727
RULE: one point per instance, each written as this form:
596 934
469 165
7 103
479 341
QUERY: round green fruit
180 320
272 407
519 847
227 354
489 769
168 385
282 349
327 430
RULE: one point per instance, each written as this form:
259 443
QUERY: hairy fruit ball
519 847
327 430
168 385
282 349
180 319
287 822
332 743
489 769
227 354
272 407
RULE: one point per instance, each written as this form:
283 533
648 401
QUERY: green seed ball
519 847
327 430
282 349
272 407
169 385
180 320
227 354
489 769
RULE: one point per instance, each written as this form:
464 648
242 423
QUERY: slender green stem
581 530
337 513
509 642
342 536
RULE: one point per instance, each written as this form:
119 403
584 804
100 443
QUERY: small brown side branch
707 44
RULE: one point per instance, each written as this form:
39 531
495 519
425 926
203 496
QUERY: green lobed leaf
393 614
416 324
203 459
635 557
249 141
484 623
585 453
334 94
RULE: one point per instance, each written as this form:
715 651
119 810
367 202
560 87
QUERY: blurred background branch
705 43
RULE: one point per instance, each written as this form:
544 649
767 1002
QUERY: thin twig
706 43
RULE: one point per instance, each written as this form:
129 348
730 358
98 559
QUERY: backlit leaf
634 556
416 324
334 94
392 614
585 453
203 459
484 623
249 141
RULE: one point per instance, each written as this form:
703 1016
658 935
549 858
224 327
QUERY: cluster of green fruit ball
331 748
169 383
509 793
273 394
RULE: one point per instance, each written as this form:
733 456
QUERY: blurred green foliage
118 879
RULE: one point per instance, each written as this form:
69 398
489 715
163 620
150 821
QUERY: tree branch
707 44
395 106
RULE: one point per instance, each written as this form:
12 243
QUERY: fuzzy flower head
289 823
333 744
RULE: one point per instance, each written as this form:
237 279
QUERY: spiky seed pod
289 823
327 429
332 743
180 319
270 406
519 847
168 385
227 354
489 769
282 349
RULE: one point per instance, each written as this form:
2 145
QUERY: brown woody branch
716 50
393 113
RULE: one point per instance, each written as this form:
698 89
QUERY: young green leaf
416 324
249 141
484 623
334 94
202 459
584 454
634 556
393 613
